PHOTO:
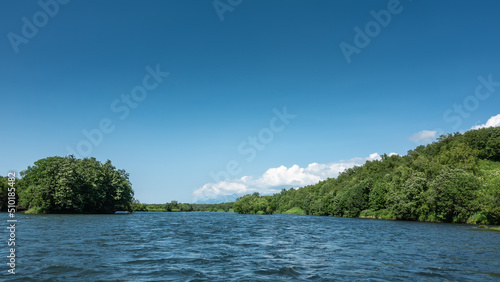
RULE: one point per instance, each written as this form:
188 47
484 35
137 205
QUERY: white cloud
494 121
220 188
374 156
282 175
393 154
275 179
423 136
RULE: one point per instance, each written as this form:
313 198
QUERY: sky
203 99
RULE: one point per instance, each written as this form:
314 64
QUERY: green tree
405 202
452 194
488 200
377 196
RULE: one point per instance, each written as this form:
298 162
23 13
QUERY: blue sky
229 73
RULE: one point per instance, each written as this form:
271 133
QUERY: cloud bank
277 178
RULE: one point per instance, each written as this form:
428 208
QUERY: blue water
229 246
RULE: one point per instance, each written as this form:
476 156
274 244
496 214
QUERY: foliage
253 204
70 185
3 193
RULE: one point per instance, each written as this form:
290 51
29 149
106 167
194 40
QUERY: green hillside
455 179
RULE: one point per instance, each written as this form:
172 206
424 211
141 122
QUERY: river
227 246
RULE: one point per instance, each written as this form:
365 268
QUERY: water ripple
228 246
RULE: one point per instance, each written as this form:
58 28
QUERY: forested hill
455 179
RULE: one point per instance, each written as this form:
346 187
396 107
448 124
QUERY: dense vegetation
456 179
69 185
174 206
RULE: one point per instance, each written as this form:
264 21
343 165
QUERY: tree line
175 206
455 179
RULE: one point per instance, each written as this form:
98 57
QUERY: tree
488 200
377 196
452 195
406 202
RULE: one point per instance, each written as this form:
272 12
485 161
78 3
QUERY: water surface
229 246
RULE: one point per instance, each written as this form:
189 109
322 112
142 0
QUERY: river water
228 246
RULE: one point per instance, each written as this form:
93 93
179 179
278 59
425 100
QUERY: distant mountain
219 199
